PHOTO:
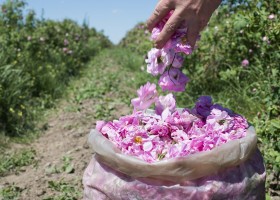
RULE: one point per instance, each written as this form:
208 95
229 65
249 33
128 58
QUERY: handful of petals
168 60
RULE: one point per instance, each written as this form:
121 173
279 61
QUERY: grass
12 162
64 190
11 192
66 167
112 80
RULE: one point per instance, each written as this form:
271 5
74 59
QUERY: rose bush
38 58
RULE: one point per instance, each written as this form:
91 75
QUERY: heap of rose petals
170 132
167 61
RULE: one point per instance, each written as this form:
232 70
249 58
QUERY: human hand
193 14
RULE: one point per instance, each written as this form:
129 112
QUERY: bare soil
66 135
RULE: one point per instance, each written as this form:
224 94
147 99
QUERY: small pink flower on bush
245 63
66 42
173 80
65 50
271 16
147 95
165 102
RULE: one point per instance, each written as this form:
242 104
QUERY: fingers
162 9
192 34
168 30
204 23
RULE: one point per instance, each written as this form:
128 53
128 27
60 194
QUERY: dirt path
66 137
62 151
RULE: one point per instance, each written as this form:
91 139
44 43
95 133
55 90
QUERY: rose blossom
66 42
271 16
157 61
65 49
179 44
203 106
164 102
178 61
147 95
173 80
245 63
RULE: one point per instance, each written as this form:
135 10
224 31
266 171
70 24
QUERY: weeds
66 167
66 191
10 192
14 161
38 59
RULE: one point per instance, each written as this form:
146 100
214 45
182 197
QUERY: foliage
10 192
66 191
111 81
37 59
137 40
67 167
14 161
252 90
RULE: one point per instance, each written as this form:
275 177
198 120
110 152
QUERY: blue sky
115 17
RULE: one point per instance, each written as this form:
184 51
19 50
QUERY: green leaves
10 192
14 161
38 58
275 123
66 167
66 191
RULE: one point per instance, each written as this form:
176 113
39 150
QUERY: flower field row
38 58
